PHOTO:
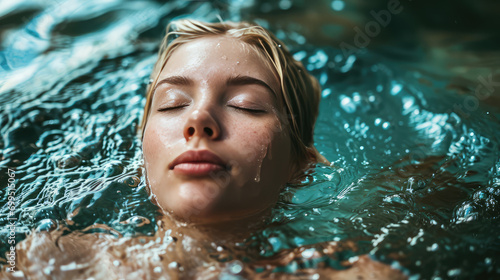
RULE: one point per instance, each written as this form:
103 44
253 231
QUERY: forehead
217 57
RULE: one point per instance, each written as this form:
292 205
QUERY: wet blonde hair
300 92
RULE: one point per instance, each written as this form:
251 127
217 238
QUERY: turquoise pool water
409 121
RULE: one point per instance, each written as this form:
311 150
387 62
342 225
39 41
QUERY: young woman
228 121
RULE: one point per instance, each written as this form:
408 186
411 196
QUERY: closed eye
173 108
248 110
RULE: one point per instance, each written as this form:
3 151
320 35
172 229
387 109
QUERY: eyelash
171 108
248 110
253 111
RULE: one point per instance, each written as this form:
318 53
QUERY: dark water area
409 118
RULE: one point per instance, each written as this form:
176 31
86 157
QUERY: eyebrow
247 80
232 81
175 80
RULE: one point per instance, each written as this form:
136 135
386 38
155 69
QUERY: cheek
151 144
160 134
256 142
260 137
252 140
263 156
158 144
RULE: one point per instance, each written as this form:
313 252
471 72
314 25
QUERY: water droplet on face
260 160
257 176
237 62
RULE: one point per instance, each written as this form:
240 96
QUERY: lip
197 163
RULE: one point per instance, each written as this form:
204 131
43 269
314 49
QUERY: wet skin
217 95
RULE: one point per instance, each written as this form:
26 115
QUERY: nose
201 124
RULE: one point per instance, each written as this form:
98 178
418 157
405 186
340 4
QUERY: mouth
198 163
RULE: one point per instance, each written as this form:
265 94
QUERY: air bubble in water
235 267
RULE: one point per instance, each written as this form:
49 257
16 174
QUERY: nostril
209 131
191 131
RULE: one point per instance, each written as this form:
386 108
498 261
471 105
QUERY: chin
192 205
193 215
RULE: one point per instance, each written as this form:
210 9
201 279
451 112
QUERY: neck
222 229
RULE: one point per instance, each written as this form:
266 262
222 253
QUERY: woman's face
214 145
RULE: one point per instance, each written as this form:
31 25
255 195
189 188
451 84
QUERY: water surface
410 123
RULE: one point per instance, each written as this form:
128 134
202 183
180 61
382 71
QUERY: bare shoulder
43 255
61 254
359 268
364 268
